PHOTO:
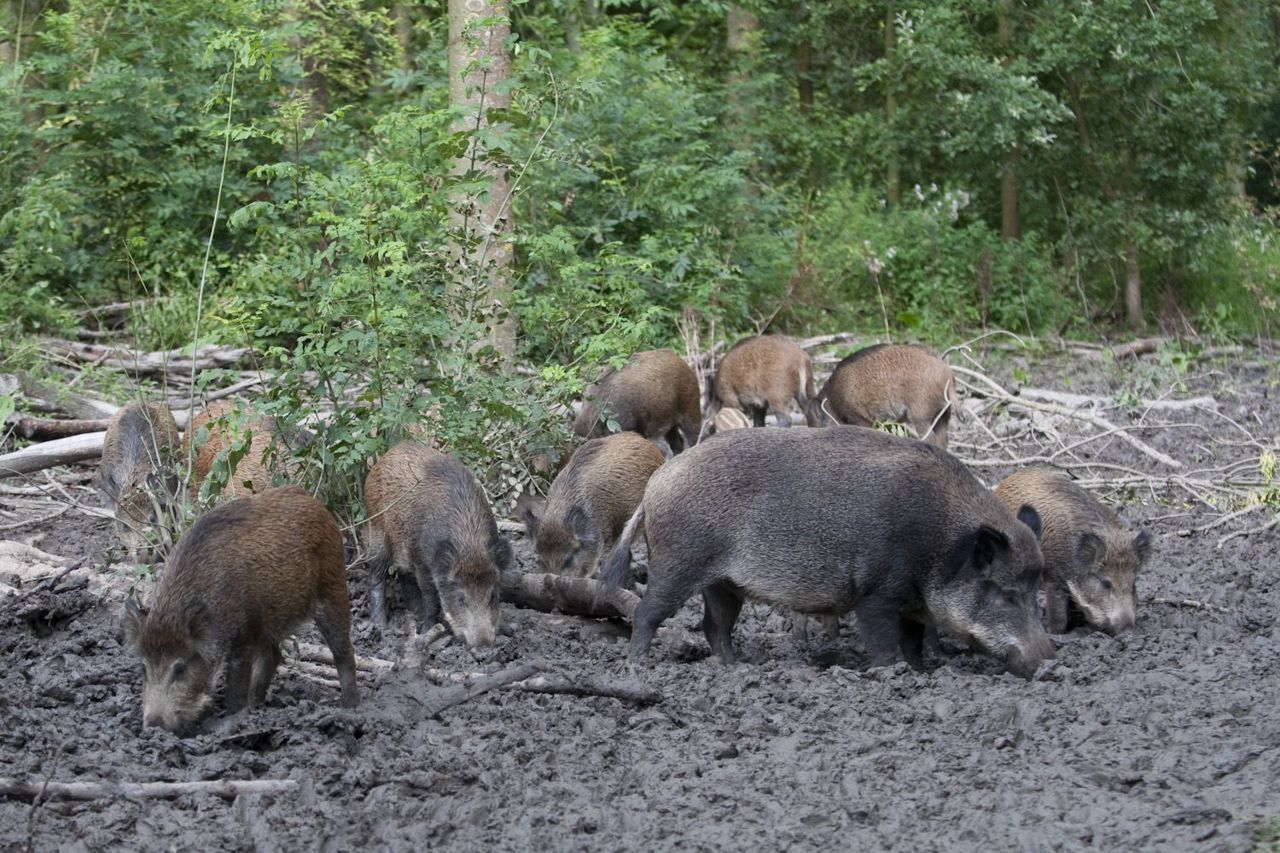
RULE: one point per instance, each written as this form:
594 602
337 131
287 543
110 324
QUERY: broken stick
229 788
466 692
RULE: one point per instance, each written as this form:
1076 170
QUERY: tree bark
1010 213
893 178
404 34
479 70
1133 285
741 27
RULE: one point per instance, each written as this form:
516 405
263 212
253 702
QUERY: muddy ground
1167 737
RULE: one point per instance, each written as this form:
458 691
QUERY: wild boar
763 373
213 431
246 576
1090 559
655 394
889 383
590 502
428 516
837 519
138 469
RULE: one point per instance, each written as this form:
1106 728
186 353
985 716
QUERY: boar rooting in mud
762 374
590 502
900 532
138 471
1091 560
654 394
889 383
245 577
429 519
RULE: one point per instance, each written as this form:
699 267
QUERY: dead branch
112 309
49 398
60 451
27 791
574 596
1189 602
1081 400
1262 528
626 691
1142 346
827 340
994 389
46 428
148 363
465 693
320 654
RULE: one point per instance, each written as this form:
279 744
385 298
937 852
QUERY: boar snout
1025 657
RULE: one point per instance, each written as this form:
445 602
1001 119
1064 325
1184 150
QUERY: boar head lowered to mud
138 471
246 575
826 521
763 373
429 517
891 383
654 394
590 502
1091 560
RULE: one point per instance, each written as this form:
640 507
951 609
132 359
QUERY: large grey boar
838 519
1090 559
655 394
761 374
138 472
428 516
889 383
590 502
247 575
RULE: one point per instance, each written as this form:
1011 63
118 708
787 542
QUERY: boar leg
239 677
264 669
379 566
1056 610
335 626
880 625
757 414
782 412
720 608
912 643
429 604
669 588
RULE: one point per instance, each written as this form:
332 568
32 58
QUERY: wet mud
1166 737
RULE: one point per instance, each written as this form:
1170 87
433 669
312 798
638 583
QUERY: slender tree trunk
741 31
893 179
404 34
1133 286
804 75
1010 214
479 71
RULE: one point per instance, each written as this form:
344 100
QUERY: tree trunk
1133 286
479 70
804 75
893 179
404 34
1010 214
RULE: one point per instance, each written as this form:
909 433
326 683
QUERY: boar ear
199 625
579 522
1090 548
1027 515
1142 546
987 544
500 549
134 617
445 557
527 513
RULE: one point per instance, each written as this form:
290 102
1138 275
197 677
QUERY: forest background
295 177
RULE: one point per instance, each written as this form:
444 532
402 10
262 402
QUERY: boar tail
617 565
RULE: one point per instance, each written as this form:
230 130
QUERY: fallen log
29 791
1142 346
625 691
1081 400
574 596
42 429
466 692
148 363
60 451
50 398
